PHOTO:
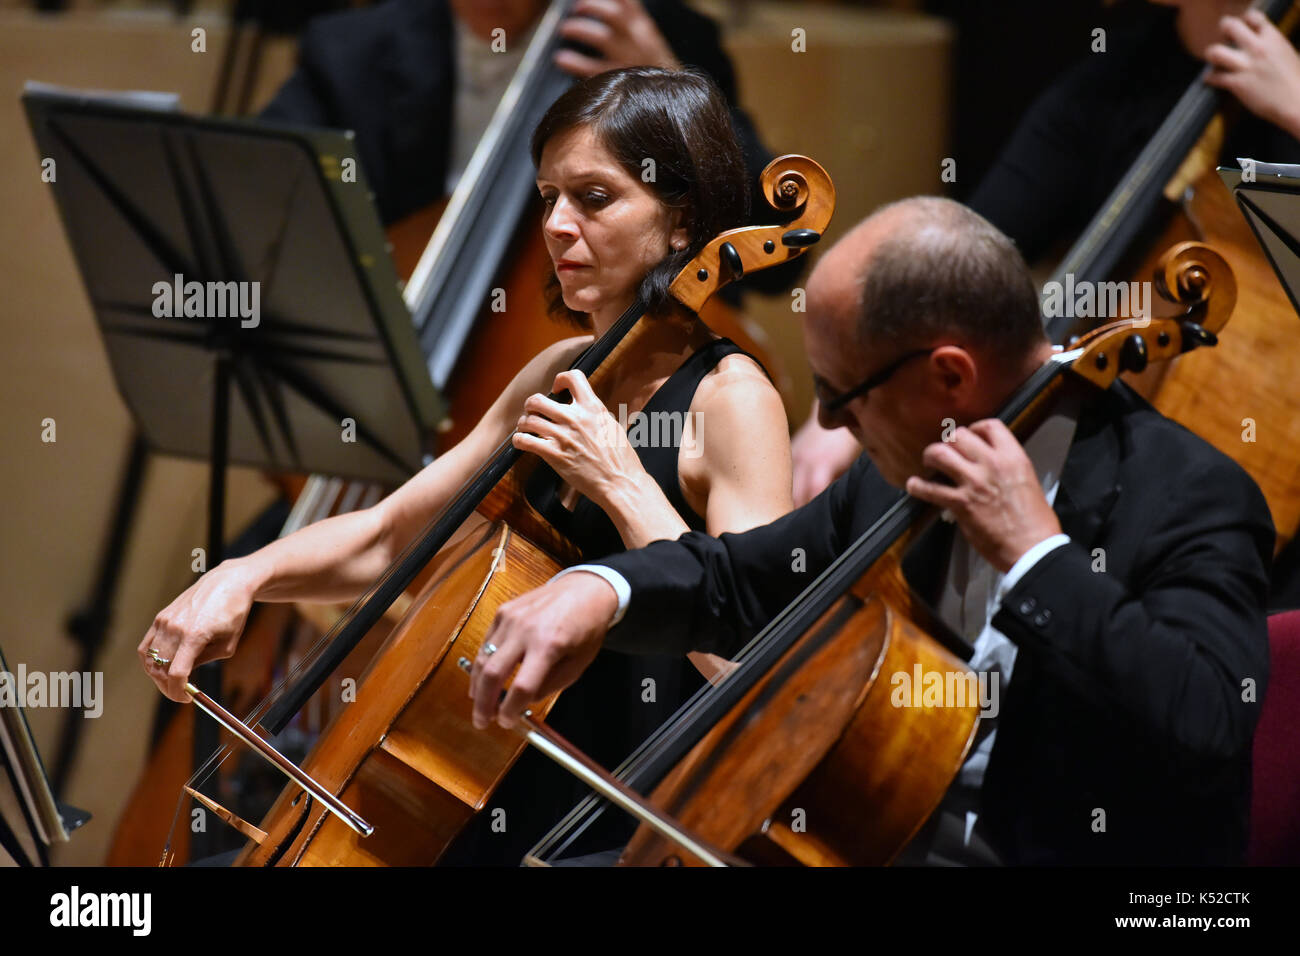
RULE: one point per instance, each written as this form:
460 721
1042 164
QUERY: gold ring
158 658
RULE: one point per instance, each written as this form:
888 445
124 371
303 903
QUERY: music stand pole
207 736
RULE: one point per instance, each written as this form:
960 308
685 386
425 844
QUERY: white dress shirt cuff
1028 560
622 590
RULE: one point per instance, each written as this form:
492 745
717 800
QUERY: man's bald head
923 314
927 269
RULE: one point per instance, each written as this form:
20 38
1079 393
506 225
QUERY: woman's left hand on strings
582 441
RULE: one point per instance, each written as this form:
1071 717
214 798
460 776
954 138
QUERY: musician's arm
734 451
338 558
742 432
695 593
1183 654
713 594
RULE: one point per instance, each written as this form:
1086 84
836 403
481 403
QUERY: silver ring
489 649
158 658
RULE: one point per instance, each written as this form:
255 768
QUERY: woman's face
604 228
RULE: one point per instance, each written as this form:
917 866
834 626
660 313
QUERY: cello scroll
790 183
1190 274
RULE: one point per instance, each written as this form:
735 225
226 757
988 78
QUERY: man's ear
956 370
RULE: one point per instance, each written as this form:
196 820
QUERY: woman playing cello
638 169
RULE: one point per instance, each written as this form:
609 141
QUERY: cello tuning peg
1133 354
1195 336
731 259
800 238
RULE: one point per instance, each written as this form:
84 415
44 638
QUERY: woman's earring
679 245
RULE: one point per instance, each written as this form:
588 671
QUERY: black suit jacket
387 72
1126 707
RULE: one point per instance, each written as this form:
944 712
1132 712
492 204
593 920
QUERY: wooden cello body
431 771
846 750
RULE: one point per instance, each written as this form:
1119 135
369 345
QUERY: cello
404 752
806 727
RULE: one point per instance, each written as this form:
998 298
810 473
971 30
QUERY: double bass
400 769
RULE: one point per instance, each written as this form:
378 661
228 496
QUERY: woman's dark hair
678 119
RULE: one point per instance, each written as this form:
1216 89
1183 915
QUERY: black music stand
241 281
1269 198
1270 201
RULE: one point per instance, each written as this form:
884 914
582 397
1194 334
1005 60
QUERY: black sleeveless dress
605 713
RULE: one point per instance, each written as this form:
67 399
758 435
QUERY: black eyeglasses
833 405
